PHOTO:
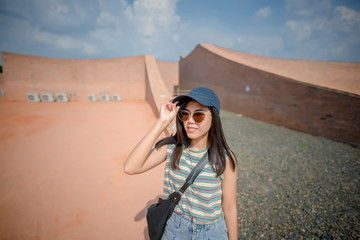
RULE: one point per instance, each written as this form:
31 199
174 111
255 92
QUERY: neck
199 144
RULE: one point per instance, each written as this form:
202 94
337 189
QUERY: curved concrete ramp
303 95
341 76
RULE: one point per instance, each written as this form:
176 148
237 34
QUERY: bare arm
143 157
229 204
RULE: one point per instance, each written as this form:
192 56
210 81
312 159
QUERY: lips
191 129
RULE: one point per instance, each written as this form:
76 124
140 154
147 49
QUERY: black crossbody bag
158 213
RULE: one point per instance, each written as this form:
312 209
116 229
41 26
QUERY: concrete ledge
156 92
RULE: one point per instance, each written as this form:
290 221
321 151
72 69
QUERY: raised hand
168 112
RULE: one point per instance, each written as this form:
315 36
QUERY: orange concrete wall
2 97
1 82
170 74
80 77
273 98
343 76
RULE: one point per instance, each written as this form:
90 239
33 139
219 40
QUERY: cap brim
180 99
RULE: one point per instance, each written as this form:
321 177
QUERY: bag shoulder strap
195 172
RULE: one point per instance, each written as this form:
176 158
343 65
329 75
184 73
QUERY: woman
207 209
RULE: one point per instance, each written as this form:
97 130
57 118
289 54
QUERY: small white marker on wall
247 89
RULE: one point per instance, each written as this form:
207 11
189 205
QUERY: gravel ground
293 185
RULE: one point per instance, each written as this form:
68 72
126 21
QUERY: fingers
171 99
170 105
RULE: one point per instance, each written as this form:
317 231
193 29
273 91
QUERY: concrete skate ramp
342 76
317 97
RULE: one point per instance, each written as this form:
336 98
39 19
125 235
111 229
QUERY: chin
191 135
194 135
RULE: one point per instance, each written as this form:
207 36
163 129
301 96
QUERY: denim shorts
179 227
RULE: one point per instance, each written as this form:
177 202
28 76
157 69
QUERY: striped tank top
201 202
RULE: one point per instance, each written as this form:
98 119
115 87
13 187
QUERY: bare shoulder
160 152
230 162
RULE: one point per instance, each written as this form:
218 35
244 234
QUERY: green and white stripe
201 202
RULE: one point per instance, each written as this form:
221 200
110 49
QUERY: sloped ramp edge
156 93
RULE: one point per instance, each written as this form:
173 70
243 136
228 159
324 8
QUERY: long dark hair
218 147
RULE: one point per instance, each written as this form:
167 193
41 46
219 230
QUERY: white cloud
263 12
307 8
105 19
112 28
317 30
19 30
325 23
61 12
307 18
146 27
299 29
346 20
347 14
64 42
305 29
152 16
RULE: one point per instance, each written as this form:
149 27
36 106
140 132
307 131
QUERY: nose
191 119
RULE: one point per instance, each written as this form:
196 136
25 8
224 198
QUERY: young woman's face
196 130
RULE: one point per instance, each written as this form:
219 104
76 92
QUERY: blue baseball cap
203 95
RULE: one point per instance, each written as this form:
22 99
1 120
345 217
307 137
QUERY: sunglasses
198 117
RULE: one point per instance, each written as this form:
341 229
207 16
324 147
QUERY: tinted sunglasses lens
184 116
199 117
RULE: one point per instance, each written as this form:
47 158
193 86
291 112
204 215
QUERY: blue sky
168 29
